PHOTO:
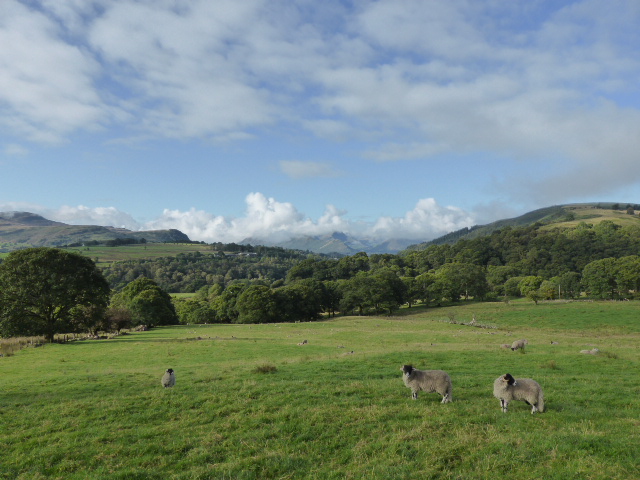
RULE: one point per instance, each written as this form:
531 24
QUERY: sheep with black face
169 378
506 388
437 381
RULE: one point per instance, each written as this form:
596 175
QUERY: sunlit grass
251 403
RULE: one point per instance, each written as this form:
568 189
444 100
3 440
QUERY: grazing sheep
304 342
593 351
427 380
169 378
507 388
519 344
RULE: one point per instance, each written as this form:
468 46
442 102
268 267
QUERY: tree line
278 285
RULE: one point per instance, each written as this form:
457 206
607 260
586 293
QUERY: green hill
23 229
558 216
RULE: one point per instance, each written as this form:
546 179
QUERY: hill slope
558 216
28 229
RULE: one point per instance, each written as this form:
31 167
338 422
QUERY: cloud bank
409 82
268 220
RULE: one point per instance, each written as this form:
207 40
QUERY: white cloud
270 220
46 84
106 216
426 221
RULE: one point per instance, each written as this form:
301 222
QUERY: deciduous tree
43 290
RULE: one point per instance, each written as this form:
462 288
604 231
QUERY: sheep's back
427 378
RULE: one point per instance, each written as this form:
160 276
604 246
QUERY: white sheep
507 388
427 380
593 351
519 344
168 379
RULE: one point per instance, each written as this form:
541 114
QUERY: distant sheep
304 342
593 351
506 388
168 379
427 380
519 344
506 346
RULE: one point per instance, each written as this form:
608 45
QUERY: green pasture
250 403
102 254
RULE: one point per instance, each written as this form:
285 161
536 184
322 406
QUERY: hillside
23 229
558 216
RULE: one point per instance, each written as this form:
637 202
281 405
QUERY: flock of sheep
505 387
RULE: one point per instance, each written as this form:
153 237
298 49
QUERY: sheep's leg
446 398
414 394
534 409
504 404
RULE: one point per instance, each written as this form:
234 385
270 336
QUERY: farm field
250 403
102 254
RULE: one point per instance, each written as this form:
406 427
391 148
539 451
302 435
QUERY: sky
272 119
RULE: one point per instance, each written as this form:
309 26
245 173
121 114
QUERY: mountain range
23 229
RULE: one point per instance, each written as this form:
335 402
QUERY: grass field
103 255
594 216
250 403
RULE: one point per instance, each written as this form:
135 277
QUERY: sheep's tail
540 405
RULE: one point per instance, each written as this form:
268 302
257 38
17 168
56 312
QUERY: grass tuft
265 368
551 365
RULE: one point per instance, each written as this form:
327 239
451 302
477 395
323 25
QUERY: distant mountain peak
27 218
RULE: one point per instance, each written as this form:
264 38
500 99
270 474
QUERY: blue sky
269 119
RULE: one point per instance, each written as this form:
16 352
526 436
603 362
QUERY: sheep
427 380
519 344
507 388
593 351
168 379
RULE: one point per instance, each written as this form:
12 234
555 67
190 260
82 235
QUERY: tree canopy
148 303
44 291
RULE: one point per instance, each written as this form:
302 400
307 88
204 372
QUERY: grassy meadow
250 403
102 254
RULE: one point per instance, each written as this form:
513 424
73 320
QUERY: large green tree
148 303
257 304
44 291
599 278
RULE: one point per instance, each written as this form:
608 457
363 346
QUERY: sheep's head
509 380
407 369
170 370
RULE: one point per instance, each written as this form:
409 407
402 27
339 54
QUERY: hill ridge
23 229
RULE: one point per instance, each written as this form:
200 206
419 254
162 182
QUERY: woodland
245 284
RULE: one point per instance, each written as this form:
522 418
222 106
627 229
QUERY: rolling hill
558 216
24 229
